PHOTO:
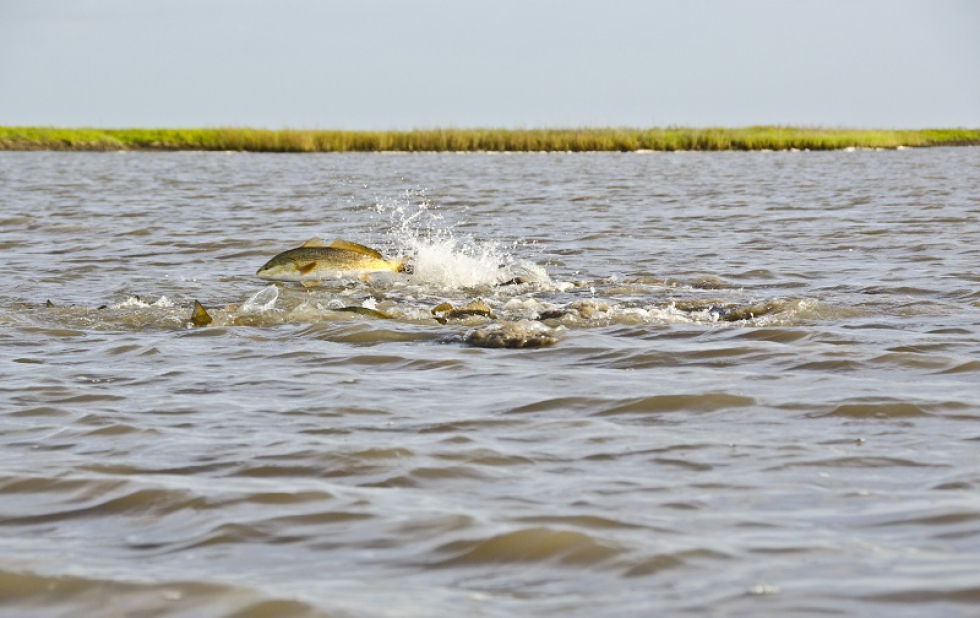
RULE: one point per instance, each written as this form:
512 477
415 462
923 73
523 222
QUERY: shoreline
670 139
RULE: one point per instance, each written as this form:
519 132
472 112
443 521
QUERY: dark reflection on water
740 384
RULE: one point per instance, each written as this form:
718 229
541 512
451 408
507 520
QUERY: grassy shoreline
478 140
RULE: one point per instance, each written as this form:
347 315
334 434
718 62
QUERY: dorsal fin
314 242
200 315
346 245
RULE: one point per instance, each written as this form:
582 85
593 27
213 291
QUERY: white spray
442 258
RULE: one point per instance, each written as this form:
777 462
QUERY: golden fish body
315 261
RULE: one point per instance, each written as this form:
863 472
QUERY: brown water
731 384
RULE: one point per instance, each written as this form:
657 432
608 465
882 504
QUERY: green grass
477 140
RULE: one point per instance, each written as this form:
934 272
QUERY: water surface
711 384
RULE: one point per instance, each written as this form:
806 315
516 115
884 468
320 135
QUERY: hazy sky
386 64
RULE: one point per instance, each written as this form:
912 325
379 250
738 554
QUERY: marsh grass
478 140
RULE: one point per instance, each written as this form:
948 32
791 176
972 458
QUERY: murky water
721 384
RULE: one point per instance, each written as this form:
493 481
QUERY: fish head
280 268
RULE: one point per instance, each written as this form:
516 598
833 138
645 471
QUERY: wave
28 593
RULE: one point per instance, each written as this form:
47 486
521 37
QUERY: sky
406 64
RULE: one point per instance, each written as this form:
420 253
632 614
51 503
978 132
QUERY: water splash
262 301
135 302
450 262
441 256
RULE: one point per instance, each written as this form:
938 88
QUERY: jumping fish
315 260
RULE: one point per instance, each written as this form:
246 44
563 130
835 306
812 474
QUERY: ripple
967 367
931 518
487 457
121 429
888 410
40 411
842 365
855 462
778 335
968 595
709 402
677 560
911 360
88 499
583 521
37 595
530 545
560 404
876 409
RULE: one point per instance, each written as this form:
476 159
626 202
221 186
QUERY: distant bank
479 140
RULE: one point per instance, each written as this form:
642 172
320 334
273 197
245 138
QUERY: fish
444 311
315 260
